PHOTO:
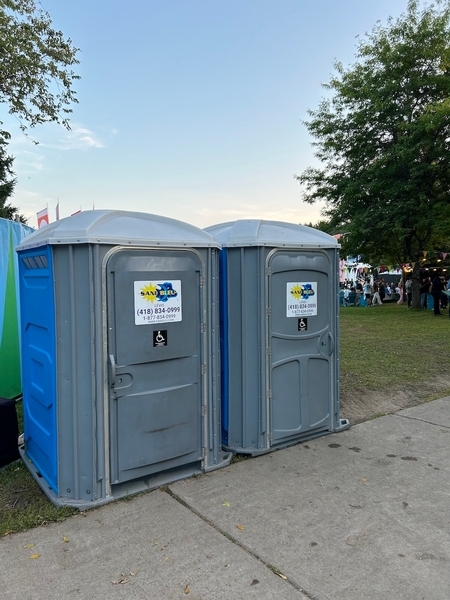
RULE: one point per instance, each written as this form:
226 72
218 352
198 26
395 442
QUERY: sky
191 109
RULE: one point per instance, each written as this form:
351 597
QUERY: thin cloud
84 138
78 138
244 210
27 162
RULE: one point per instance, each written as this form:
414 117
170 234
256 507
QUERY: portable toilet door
155 309
301 343
280 334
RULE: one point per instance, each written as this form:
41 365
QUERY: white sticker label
301 299
157 302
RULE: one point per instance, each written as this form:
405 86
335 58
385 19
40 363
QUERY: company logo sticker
157 302
301 299
161 292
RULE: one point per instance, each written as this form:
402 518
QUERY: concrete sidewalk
359 515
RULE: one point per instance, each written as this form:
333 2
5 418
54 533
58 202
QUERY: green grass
392 346
382 348
22 503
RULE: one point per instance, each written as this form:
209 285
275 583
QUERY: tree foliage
36 78
7 182
324 225
383 139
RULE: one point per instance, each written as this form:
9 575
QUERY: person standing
408 289
367 288
346 297
446 292
436 288
382 290
444 297
424 291
376 294
399 291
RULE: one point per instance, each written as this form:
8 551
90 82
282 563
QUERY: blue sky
190 109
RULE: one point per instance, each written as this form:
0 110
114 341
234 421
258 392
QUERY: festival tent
353 269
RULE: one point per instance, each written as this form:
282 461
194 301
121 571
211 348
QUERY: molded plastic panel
156 414
300 363
39 361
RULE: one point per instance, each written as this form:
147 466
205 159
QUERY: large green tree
382 138
36 78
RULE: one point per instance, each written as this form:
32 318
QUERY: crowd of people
374 291
436 287
377 291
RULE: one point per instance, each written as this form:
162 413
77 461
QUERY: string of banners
410 265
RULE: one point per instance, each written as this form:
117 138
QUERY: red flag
42 218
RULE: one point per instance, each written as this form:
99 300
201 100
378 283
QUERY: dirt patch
360 405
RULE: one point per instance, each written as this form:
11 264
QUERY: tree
7 182
383 141
323 225
36 80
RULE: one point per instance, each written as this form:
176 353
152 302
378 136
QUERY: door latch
113 370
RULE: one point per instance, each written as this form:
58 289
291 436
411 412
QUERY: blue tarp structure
11 234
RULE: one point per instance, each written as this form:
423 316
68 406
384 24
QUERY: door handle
327 345
113 370
331 343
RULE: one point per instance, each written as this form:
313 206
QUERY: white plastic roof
253 232
121 228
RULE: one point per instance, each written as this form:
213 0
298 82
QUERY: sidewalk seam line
232 539
421 420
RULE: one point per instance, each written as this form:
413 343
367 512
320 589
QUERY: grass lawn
22 503
382 348
392 346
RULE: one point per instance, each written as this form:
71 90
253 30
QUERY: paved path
359 515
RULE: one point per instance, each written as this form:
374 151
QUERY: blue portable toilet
120 355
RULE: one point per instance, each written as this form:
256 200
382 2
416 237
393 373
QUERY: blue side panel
37 308
223 303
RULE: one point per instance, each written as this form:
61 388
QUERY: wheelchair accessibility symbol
303 324
159 338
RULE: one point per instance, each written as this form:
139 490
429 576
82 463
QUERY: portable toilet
120 354
279 299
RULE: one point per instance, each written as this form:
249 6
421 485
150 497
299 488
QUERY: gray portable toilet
279 334
120 354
